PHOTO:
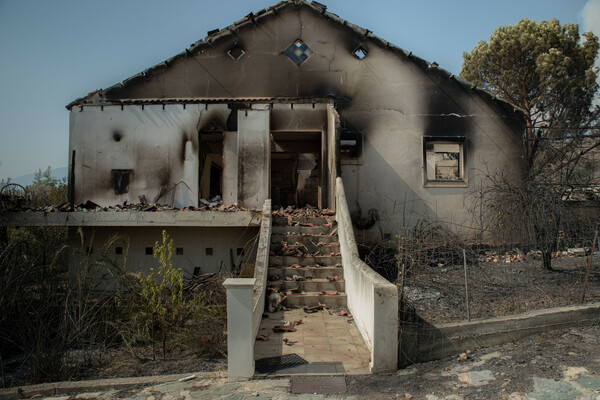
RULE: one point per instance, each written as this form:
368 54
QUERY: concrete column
186 192
331 153
254 157
240 335
230 168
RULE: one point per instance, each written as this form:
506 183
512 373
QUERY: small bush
159 308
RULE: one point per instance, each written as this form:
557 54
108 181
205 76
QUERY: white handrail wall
261 267
245 305
372 300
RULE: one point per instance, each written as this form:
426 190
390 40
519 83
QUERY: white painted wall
194 242
372 300
159 145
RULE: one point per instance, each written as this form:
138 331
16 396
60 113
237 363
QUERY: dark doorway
215 180
296 169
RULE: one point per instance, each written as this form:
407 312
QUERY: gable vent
298 52
236 52
360 52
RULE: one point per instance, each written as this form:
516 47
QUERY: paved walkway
557 365
331 344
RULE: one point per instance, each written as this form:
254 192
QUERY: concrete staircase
305 262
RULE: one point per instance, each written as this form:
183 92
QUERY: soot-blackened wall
392 99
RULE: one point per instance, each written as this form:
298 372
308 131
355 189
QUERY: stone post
240 335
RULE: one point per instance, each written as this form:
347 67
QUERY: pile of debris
518 255
306 212
198 283
142 207
303 248
208 287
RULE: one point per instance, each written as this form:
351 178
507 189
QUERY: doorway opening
296 169
211 164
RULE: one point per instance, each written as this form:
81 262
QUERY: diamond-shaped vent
236 52
298 52
360 52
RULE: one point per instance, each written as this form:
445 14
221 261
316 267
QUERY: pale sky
52 52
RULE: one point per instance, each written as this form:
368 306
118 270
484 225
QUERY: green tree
161 293
46 189
546 69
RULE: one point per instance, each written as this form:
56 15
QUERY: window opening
444 161
209 251
120 180
298 52
118 250
179 251
350 145
149 251
360 52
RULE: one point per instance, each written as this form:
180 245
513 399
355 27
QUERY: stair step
307 260
326 248
315 298
280 221
322 248
316 239
312 285
313 230
312 272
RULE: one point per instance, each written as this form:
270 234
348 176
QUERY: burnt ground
119 362
498 288
436 294
558 365
552 365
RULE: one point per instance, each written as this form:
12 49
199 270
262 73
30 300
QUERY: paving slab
331 344
549 389
477 378
589 382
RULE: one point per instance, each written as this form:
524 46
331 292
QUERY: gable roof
255 19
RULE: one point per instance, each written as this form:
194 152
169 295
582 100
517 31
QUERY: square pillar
240 335
254 157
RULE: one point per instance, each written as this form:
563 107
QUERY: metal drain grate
318 384
272 364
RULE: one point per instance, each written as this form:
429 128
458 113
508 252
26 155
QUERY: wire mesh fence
444 277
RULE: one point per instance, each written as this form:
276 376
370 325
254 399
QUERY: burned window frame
463 180
350 154
121 178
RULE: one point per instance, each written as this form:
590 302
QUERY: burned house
291 106
278 105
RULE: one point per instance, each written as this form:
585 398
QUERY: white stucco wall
194 242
